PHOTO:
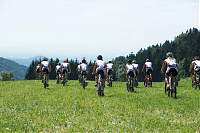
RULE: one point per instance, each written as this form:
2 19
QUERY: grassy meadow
25 106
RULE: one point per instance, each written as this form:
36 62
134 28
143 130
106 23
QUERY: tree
7 76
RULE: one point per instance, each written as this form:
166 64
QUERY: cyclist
129 69
65 68
45 67
83 68
99 68
148 69
171 67
79 71
58 71
109 70
195 68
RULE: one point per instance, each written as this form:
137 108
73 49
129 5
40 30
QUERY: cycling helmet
169 54
110 62
45 59
134 61
66 60
196 58
147 60
84 61
59 64
129 61
100 57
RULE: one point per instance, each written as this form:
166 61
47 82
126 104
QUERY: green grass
27 106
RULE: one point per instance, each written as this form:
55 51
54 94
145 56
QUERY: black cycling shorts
64 71
101 72
45 70
149 71
131 73
84 73
173 72
110 72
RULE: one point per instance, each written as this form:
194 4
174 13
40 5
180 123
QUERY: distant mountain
18 70
26 61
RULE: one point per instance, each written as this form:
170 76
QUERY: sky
77 28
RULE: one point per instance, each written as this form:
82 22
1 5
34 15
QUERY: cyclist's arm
94 68
163 67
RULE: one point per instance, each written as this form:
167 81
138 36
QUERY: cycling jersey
109 66
100 65
45 63
171 63
58 68
83 66
135 66
65 65
148 65
129 67
196 65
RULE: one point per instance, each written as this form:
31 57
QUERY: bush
6 76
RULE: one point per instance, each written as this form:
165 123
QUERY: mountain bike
110 80
100 86
148 80
136 82
64 78
58 78
130 83
172 87
197 82
83 79
45 80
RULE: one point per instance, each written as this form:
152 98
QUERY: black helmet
45 59
99 57
147 60
59 64
129 61
83 61
196 58
110 62
169 54
66 60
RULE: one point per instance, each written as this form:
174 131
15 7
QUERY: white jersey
79 67
129 67
109 66
135 65
148 64
83 66
65 65
171 63
196 64
58 67
45 63
100 65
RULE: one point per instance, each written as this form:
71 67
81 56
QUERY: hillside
19 71
28 107
185 46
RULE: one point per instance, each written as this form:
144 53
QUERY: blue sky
77 28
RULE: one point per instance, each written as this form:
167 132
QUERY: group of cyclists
103 71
